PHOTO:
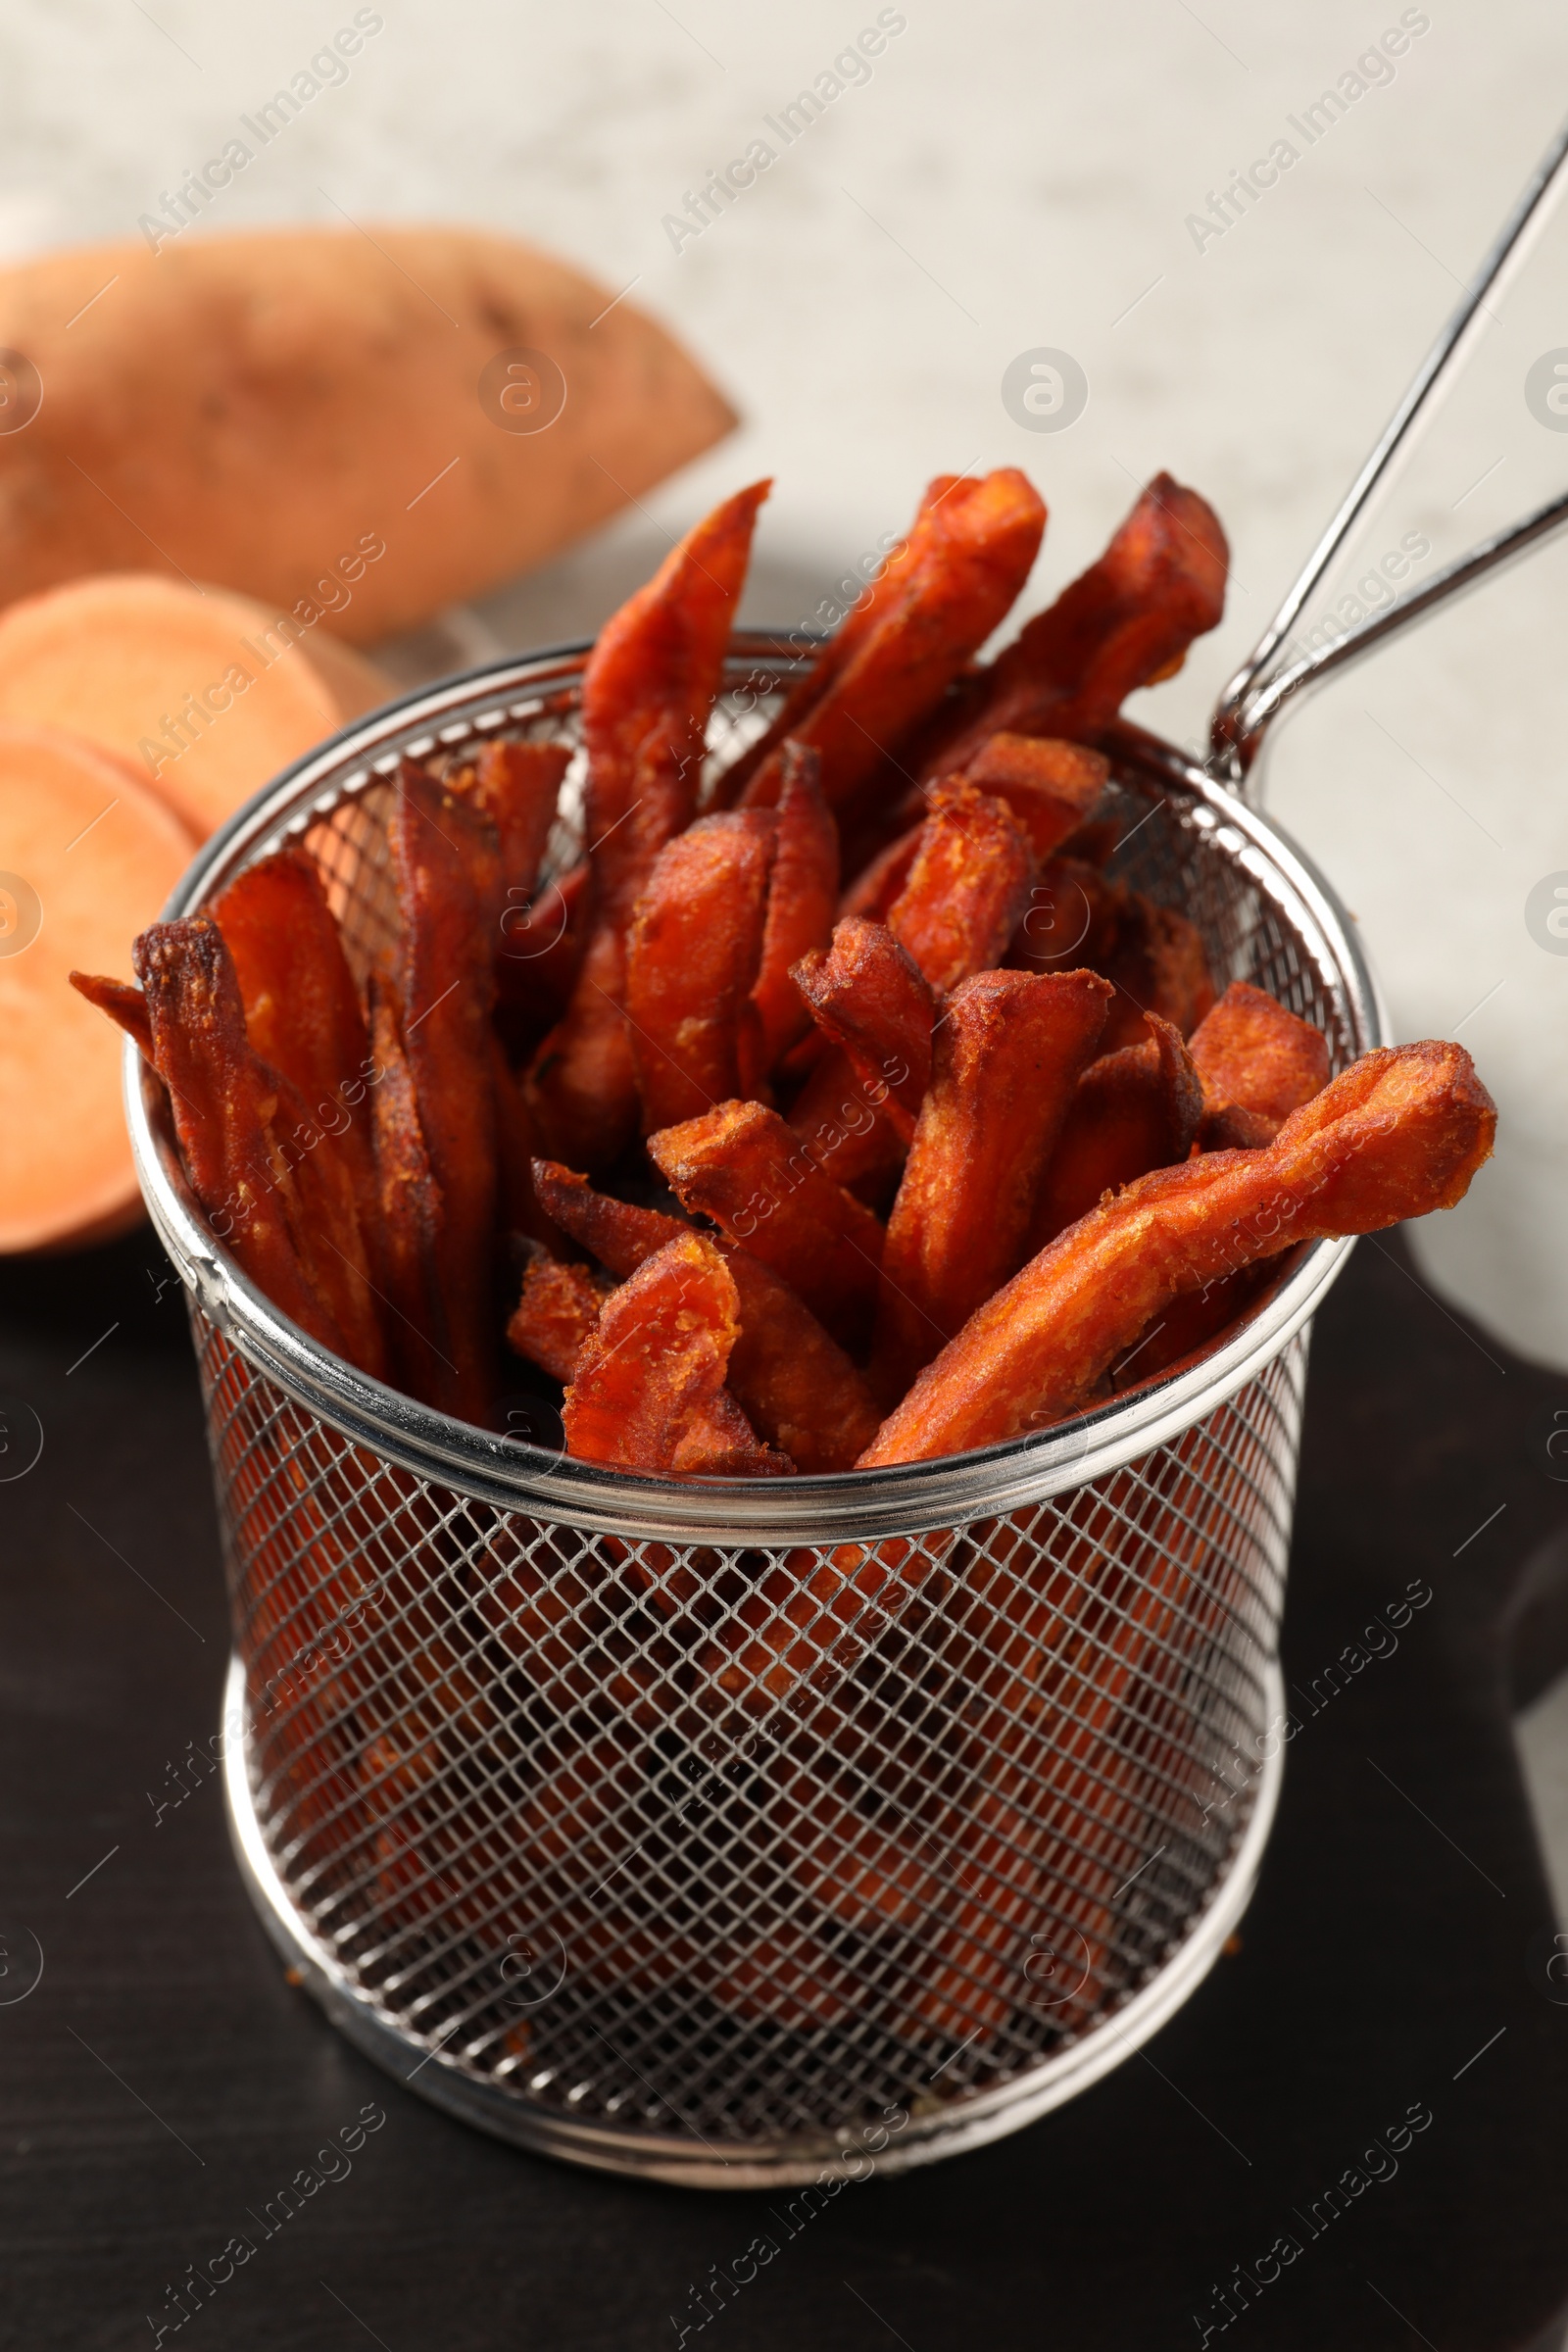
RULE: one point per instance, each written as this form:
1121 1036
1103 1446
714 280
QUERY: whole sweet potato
326 417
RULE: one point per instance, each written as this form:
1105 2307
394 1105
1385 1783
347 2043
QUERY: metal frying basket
929 1792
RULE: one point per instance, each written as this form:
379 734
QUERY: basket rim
511 1475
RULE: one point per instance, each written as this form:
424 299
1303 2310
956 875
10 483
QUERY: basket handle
1258 693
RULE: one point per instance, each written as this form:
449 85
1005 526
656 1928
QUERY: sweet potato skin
271 405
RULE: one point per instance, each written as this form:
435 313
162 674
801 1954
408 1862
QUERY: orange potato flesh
97 854
1254 1058
410 1215
659 1354
1132 1110
968 557
742 1166
1398 1135
795 1384
552 1322
1008 1053
869 996
1129 619
966 888
802 898
206 695
692 957
646 695
222 1103
445 993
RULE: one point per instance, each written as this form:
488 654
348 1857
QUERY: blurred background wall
996 180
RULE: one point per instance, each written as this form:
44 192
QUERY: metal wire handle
1255 695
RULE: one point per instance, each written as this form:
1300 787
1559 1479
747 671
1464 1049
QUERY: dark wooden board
160 2083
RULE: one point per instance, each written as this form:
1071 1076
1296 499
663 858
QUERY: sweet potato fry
1073 917
1159 965
1123 623
302 1009
558 1311
869 996
648 693
721 1442
795 1384
540 950
1257 1063
518 786
517 1145
967 887
969 554
410 1215
558 1314
848 1124
655 1360
869 611
1132 1110
1008 1053
1183 1326
126 1006
741 1165
445 991
692 957
222 1102
801 901
1051 786
324 1215
878 887
1399 1134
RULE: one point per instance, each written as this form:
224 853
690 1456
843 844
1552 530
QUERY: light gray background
1011 177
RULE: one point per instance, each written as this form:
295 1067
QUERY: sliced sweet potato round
209 694
88 857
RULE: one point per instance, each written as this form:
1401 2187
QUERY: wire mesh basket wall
698 1829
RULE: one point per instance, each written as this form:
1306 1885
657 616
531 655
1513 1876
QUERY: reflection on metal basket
687 1828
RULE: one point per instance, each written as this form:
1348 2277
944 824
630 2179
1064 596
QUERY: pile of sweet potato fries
822 1141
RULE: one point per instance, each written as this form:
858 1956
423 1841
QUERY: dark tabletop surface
160 2079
